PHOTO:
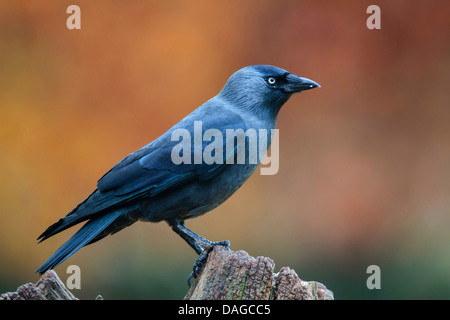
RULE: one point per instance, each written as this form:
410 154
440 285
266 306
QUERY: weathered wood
235 275
49 287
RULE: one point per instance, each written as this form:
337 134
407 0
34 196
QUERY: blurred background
364 175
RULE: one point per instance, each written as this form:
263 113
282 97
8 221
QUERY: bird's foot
203 257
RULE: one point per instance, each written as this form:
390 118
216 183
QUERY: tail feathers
83 237
73 218
61 225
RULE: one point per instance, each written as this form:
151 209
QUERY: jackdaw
148 185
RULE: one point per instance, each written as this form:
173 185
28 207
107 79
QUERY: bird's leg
201 245
190 240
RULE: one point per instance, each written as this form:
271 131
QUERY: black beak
297 84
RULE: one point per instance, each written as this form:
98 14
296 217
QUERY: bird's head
264 87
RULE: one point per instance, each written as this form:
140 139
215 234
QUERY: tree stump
235 275
49 287
227 275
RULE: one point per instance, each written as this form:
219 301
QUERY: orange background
364 161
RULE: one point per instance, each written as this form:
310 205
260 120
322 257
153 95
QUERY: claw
190 278
225 243
200 263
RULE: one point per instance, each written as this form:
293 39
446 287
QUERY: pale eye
271 81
